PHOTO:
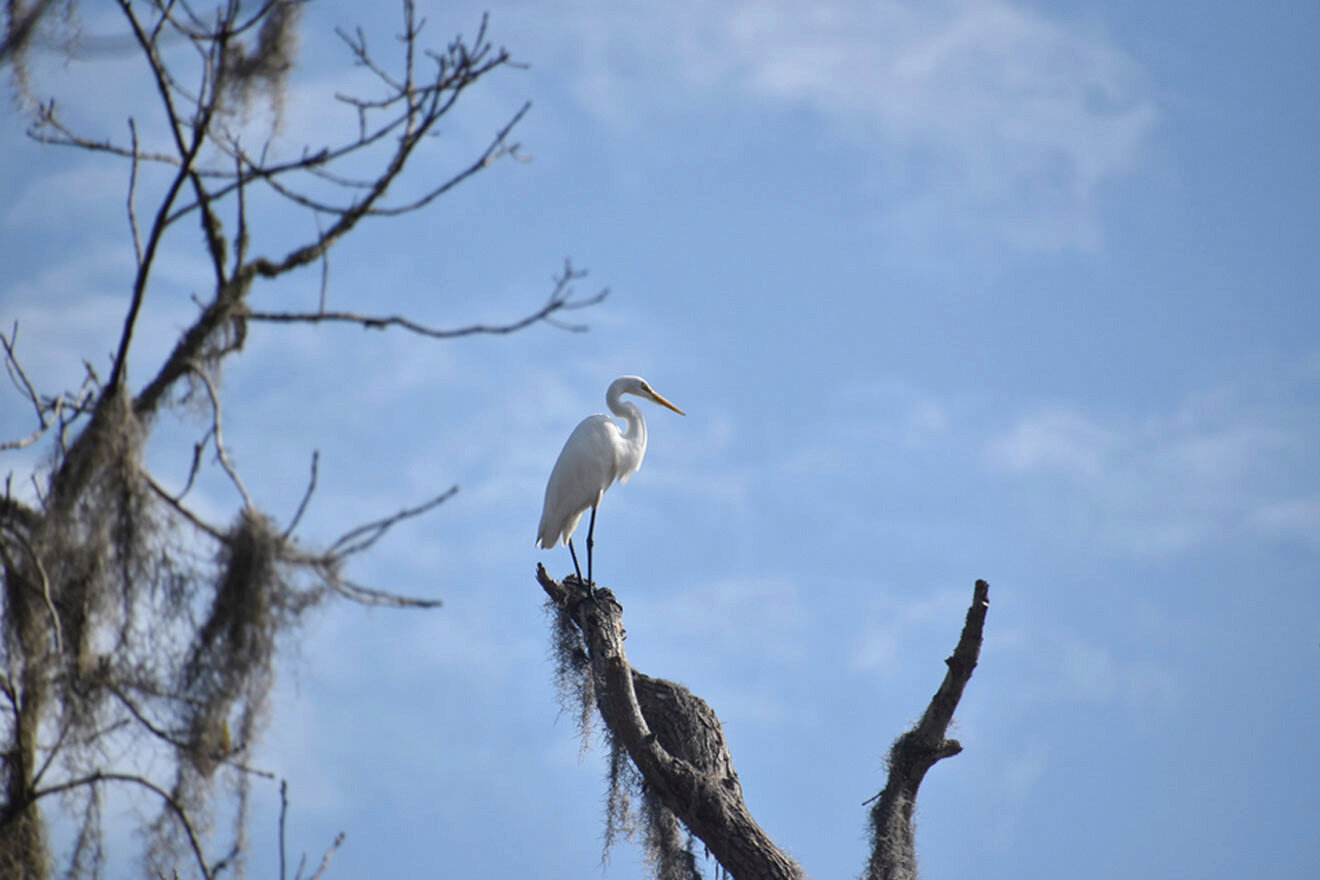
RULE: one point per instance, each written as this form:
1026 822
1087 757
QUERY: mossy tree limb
893 849
677 746
680 752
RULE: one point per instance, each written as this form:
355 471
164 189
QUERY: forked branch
675 743
678 759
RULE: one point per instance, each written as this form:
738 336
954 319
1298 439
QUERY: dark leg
573 553
591 530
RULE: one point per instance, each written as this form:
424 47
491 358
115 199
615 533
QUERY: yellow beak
660 400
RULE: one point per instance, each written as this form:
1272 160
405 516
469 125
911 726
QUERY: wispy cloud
898 623
1093 672
741 614
989 107
1056 440
1290 518
1217 465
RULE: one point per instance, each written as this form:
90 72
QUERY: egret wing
587 465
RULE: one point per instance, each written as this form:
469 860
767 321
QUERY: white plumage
597 453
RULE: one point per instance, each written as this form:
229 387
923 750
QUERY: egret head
639 386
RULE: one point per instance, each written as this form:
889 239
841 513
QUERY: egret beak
660 400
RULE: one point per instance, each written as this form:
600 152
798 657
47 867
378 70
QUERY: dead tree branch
893 850
677 745
561 300
676 742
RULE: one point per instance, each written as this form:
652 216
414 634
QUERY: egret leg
591 530
573 553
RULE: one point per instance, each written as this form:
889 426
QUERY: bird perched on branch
597 453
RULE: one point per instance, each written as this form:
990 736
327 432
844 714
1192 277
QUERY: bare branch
325 265
211 227
40 568
494 151
284 809
61 410
180 814
196 464
357 44
19 377
364 595
380 322
358 539
241 240
187 155
132 190
329 854
178 507
307 496
893 849
221 454
133 710
52 752
560 301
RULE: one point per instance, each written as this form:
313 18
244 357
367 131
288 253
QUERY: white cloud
703 634
1219 464
1056 440
1002 113
69 198
901 623
1292 518
1073 668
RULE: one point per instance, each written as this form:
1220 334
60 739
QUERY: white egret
597 453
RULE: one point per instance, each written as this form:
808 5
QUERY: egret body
597 453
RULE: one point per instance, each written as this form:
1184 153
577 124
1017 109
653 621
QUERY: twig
241 240
142 719
16 372
360 538
179 813
494 151
195 466
132 189
220 453
325 265
52 752
307 496
19 377
58 629
284 809
370 596
329 854
183 511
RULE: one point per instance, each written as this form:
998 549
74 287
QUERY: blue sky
972 288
